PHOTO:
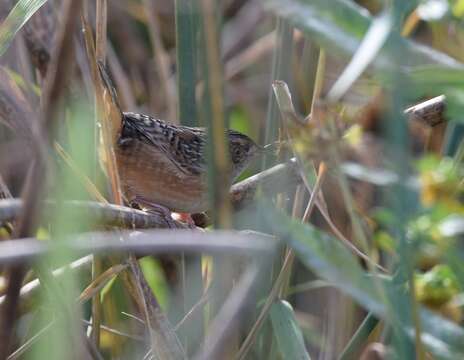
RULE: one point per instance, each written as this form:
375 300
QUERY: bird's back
183 145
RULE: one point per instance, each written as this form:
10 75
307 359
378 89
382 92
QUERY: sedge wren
165 165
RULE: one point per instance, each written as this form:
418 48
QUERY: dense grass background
349 247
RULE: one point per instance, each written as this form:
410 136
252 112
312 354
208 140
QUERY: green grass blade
186 18
339 25
186 41
328 258
359 338
18 16
287 332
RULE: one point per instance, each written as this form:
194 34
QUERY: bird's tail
110 102
108 84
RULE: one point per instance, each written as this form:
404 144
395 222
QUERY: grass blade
359 338
280 71
339 26
287 332
333 262
186 31
368 49
18 16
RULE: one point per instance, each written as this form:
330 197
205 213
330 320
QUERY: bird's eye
237 152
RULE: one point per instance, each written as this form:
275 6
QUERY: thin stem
281 278
161 60
280 71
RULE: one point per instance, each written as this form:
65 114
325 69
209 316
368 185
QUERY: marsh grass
348 246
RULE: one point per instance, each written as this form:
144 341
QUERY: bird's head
242 151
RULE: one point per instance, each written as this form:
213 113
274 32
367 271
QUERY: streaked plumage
165 164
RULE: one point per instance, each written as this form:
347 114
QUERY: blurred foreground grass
350 250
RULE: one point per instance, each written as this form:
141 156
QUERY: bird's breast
147 172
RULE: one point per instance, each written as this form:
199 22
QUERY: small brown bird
164 165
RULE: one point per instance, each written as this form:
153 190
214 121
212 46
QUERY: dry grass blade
227 320
237 30
253 53
293 123
18 353
100 37
23 348
109 111
162 61
164 340
312 200
15 111
219 164
57 76
163 337
100 282
61 64
219 167
165 343
97 268
39 35
116 332
105 214
141 242
294 126
190 314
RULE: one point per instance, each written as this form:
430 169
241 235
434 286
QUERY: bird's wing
184 146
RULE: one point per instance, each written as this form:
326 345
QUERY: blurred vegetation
349 248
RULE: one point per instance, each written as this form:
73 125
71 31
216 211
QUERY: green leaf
155 278
22 11
240 121
331 260
437 286
288 333
458 8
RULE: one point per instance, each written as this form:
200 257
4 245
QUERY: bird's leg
185 218
155 209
